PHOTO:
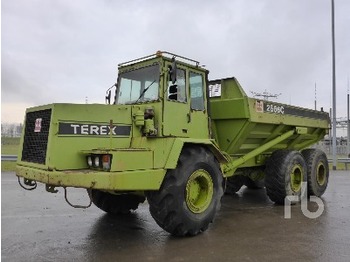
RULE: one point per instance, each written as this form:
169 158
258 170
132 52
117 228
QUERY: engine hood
56 134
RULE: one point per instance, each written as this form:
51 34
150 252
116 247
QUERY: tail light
106 162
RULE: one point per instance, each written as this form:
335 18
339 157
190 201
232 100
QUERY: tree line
11 130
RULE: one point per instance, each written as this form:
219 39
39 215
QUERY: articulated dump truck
171 136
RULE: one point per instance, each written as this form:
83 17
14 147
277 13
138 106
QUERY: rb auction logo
304 202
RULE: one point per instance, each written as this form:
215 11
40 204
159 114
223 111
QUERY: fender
179 143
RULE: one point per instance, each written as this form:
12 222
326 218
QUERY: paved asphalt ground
40 226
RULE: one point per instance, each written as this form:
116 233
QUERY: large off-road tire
285 173
190 195
115 204
317 171
234 184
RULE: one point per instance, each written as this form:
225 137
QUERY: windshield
138 86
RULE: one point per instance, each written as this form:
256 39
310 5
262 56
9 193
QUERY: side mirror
108 97
173 71
173 89
108 94
173 92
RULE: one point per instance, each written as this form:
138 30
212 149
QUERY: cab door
198 116
185 112
176 107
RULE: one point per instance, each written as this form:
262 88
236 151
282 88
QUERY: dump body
241 124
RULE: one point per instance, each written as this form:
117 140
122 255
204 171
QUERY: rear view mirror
108 94
108 97
173 71
172 92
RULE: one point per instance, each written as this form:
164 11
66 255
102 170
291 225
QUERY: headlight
89 161
97 161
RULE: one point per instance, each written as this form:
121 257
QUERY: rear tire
317 171
190 195
285 172
115 204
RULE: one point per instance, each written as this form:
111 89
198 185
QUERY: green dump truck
175 138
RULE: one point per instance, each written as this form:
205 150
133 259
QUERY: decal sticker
37 128
281 109
215 90
277 109
259 106
93 129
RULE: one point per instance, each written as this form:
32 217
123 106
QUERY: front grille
36 136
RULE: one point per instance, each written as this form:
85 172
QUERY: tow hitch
76 206
52 189
31 184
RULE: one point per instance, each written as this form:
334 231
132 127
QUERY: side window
177 91
196 91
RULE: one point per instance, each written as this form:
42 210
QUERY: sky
67 51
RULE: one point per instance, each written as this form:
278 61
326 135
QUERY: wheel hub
296 177
321 174
199 191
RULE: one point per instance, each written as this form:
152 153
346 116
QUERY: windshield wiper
144 91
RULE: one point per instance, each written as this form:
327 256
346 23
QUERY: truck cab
175 89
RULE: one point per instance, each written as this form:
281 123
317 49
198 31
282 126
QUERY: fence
328 149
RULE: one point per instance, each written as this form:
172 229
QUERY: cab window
177 91
138 86
196 91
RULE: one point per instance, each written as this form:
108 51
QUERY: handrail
8 157
159 54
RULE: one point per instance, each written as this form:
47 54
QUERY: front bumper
150 179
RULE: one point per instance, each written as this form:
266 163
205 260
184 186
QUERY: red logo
37 128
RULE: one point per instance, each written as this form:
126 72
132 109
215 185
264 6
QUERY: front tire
190 195
285 174
115 204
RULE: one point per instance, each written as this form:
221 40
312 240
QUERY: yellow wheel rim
296 178
199 191
321 174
